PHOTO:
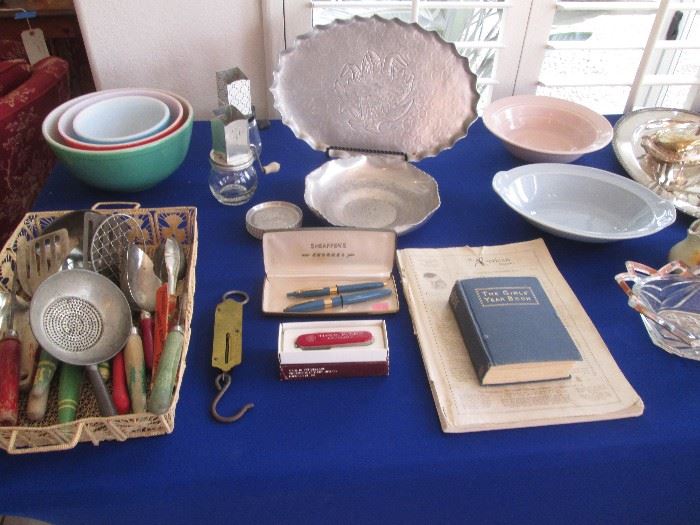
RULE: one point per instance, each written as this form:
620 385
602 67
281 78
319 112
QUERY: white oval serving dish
583 203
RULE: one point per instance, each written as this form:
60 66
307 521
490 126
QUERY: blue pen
337 289
338 301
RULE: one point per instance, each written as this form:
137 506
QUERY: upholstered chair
27 95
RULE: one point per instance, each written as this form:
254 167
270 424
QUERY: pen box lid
329 253
375 84
312 258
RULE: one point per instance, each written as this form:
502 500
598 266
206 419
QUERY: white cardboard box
346 361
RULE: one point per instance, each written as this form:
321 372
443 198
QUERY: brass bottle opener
227 350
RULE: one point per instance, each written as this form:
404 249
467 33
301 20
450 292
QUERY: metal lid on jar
236 163
272 215
373 84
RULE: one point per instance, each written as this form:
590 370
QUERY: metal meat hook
222 382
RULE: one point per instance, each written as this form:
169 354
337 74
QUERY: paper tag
34 45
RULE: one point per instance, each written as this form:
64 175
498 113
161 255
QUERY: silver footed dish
372 192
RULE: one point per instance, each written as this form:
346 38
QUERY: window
609 55
616 55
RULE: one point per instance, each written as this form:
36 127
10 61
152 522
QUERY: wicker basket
48 435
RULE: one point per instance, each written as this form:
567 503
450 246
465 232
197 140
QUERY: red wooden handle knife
9 378
120 394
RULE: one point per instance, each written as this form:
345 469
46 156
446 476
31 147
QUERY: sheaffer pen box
328 349
353 265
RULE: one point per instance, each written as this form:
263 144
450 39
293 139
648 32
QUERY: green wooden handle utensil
135 371
39 395
105 371
70 379
162 391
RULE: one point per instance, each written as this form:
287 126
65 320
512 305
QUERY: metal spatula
37 260
40 258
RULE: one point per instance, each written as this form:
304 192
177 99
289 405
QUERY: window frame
521 47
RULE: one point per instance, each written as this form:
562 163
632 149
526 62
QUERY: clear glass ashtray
668 300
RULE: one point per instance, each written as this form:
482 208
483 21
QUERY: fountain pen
337 289
338 301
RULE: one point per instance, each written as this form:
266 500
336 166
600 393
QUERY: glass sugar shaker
233 183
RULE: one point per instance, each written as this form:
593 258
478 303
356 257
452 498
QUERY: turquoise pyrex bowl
129 169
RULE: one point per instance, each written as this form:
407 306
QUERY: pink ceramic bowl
546 129
69 138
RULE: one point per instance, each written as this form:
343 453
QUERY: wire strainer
110 242
81 318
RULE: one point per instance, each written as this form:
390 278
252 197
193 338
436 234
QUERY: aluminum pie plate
372 192
375 84
627 135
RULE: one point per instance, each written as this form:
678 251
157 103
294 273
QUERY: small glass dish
669 301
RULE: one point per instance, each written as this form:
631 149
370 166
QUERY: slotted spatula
40 258
37 260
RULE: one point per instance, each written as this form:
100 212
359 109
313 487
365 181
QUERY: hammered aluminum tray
375 84
372 192
627 138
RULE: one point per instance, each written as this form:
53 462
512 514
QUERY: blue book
511 330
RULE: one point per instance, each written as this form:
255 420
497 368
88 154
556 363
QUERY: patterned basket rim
23 439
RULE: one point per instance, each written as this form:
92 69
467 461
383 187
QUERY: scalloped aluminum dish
375 84
627 135
372 192
582 203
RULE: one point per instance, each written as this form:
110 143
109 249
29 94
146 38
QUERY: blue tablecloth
371 449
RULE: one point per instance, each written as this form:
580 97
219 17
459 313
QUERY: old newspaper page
596 390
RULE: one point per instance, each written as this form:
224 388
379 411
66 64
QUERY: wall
176 45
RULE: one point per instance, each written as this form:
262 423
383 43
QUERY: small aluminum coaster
272 215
